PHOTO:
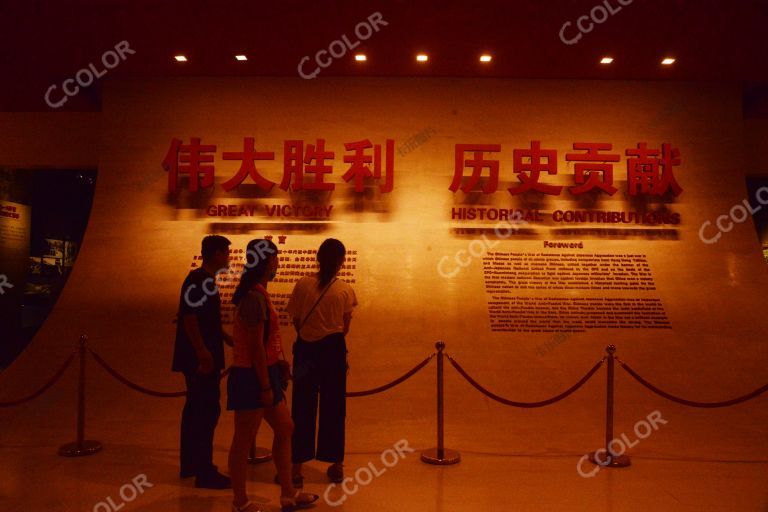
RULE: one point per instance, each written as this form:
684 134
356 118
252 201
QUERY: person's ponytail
330 257
257 253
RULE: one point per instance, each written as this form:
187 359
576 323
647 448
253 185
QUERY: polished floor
33 478
137 471
696 460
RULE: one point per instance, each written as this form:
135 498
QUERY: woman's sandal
249 506
300 500
297 481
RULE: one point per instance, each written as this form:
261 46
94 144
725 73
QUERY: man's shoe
189 473
213 481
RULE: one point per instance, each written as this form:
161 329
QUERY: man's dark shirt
207 308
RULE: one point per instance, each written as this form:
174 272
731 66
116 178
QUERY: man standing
199 354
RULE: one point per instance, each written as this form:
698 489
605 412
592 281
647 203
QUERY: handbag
284 367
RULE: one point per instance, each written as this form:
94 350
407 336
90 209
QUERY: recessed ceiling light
180 58
606 60
422 57
668 61
241 57
485 58
361 57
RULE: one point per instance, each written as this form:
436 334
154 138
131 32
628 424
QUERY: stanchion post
605 457
440 455
258 455
81 447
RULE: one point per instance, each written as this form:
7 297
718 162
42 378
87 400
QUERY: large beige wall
60 139
124 289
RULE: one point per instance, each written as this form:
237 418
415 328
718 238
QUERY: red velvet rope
45 387
529 405
394 383
690 403
137 387
163 394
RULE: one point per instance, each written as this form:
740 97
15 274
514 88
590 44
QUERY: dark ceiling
45 42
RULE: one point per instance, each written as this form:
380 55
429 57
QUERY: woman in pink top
254 386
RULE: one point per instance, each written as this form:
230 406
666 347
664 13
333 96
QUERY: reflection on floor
512 459
33 477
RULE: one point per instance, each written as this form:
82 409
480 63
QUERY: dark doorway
43 216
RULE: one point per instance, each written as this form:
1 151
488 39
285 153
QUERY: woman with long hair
255 387
321 308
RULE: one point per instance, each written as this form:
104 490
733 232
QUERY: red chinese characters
296 163
530 171
477 163
192 160
651 172
248 157
304 166
647 174
592 170
359 161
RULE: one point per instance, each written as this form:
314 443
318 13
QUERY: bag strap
316 303
267 327
267 315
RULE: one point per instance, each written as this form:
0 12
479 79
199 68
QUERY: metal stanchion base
259 455
449 457
80 450
603 459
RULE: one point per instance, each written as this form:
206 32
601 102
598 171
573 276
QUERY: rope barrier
132 385
385 387
45 387
81 447
606 457
440 455
137 387
512 403
174 394
352 394
691 403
